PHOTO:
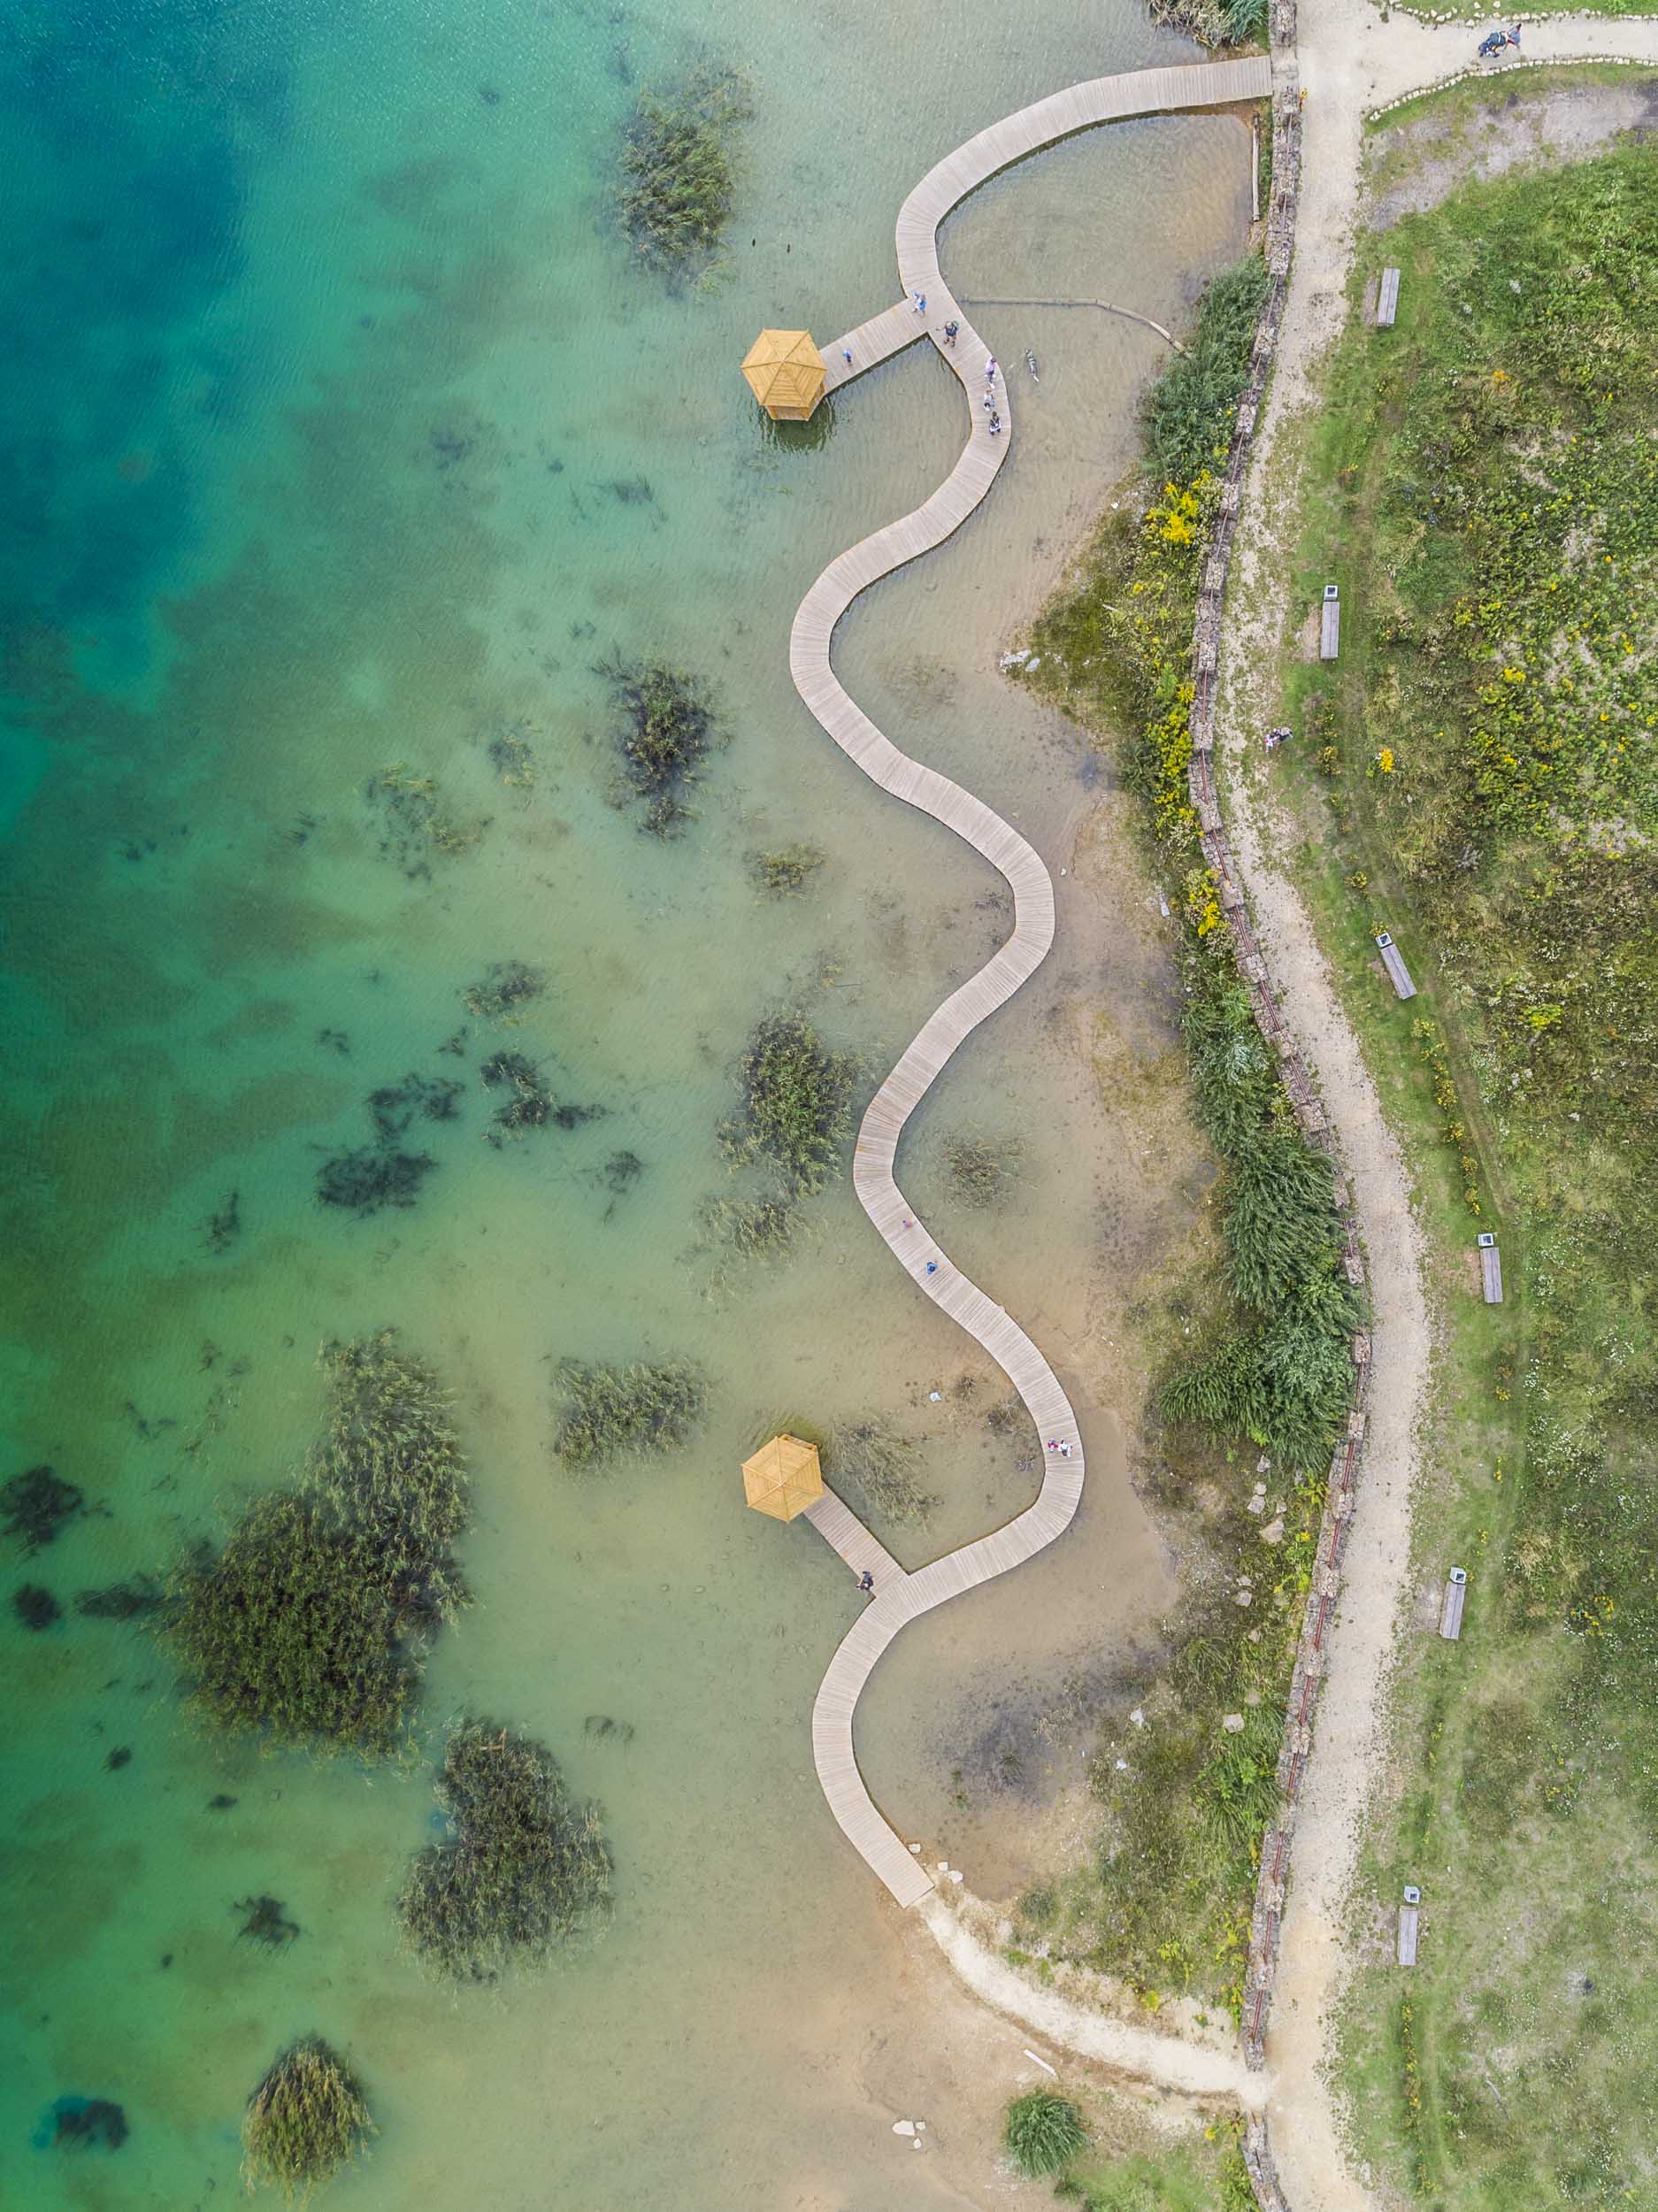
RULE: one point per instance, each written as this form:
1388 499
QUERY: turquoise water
342 434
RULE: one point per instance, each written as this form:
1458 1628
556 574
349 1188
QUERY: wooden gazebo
783 1477
785 374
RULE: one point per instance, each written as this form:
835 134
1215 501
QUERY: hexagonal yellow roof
785 374
783 1477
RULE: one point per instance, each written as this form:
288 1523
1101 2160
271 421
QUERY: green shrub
415 828
36 1607
796 1104
524 1870
529 1104
1284 1385
679 176
292 1630
878 1465
1286 1380
1232 1078
509 985
786 870
366 1179
312 1623
666 729
390 1458
1239 1790
1237 2190
1038 1908
35 1505
982 1173
1280 1219
307 2118
758 1228
1043 2132
1214 23
647 1407
1189 412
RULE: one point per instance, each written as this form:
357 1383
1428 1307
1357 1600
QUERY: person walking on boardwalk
920 299
990 370
866 1583
950 331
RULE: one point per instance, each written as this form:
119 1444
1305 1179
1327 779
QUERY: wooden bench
1330 629
1490 1268
1408 1916
1451 1610
1393 960
1387 304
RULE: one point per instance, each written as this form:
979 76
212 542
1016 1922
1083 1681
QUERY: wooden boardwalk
873 342
902 1597
840 1528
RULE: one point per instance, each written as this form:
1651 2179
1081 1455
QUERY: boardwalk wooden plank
842 1529
872 343
899 1597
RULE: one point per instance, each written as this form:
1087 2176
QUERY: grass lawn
1453 109
1131 2166
1477 774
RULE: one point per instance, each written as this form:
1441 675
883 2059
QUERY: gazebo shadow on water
785 372
799 437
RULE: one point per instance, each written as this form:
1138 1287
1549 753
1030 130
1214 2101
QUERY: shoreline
1015 960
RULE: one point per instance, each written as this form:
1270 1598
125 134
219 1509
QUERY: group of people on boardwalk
951 331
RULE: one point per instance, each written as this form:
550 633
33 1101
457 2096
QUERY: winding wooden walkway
903 1596
842 1530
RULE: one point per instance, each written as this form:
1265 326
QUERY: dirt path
1209 2068
1350 62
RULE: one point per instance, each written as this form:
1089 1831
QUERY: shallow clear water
340 433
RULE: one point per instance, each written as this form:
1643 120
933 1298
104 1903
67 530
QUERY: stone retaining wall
1321 1599
1263 2175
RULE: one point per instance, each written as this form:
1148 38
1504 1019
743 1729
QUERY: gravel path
1350 62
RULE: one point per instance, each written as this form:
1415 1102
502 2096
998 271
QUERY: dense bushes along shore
1116 651
1167 1902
